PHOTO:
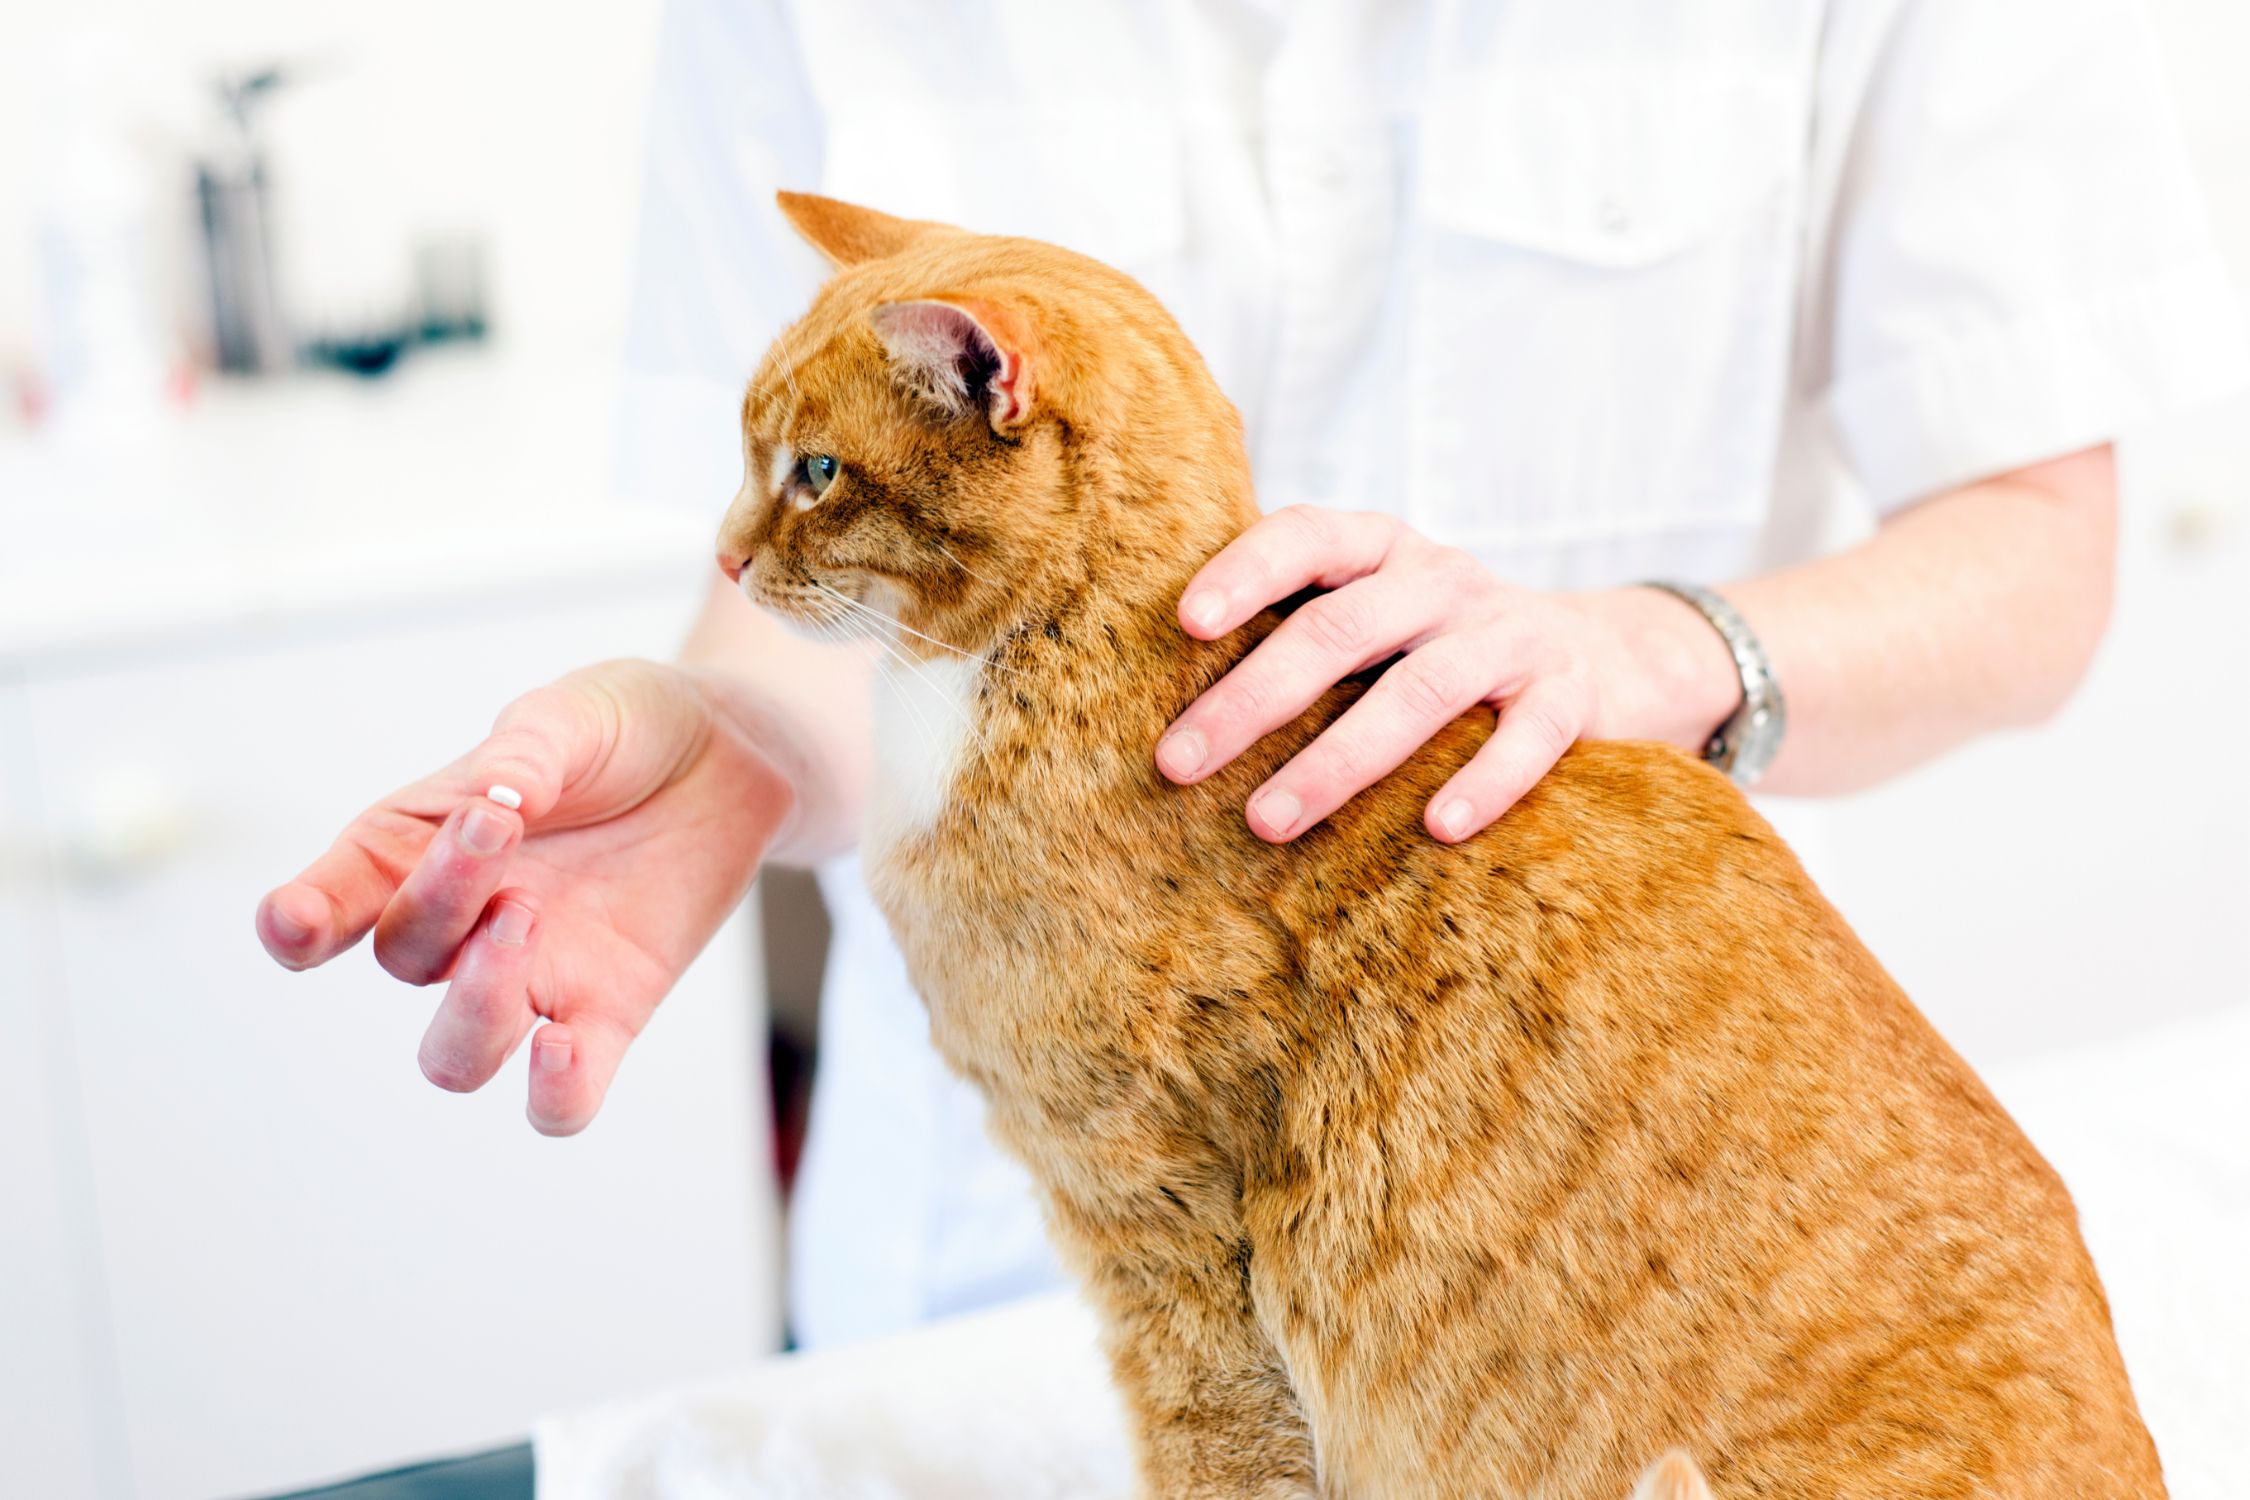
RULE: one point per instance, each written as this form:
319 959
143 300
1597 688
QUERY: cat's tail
1672 1477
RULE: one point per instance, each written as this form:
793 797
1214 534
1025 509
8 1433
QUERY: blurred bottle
248 333
111 362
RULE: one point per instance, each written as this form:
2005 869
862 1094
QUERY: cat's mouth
848 608
831 612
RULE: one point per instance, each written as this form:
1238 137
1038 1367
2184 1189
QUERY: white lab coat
1601 290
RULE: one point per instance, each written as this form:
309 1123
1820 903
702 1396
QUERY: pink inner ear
1008 401
949 354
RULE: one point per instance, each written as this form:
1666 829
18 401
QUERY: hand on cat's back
1557 667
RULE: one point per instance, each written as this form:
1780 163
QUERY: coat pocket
1602 314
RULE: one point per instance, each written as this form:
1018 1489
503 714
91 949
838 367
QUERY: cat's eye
820 471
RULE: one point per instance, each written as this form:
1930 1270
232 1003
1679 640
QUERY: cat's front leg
1212 1410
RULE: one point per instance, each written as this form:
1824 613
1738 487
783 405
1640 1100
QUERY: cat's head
960 428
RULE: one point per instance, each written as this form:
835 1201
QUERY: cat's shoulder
1632 818
1640 788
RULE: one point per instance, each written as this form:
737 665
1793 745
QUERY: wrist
1668 675
798 802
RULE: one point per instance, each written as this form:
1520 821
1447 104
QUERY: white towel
1013 1403
2152 1133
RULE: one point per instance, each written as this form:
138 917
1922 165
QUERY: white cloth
2148 1134
1597 289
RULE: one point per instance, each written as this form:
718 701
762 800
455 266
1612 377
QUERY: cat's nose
732 564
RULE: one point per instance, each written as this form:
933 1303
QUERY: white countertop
457 479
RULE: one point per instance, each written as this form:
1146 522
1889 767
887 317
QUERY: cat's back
1614 1077
1634 906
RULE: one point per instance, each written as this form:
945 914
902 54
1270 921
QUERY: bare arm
1970 611
1974 610
805 702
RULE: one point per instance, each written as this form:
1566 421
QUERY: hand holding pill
556 879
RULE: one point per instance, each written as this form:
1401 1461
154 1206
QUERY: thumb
542 744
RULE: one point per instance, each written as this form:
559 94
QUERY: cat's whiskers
865 630
975 732
897 624
861 621
789 365
964 567
796 401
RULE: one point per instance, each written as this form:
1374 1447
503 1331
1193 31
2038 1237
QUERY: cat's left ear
848 234
961 354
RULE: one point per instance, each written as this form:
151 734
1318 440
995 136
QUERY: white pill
506 796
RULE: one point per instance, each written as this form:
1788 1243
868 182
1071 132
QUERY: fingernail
552 1054
1205 608
506 796
1182 753
483 831
1455 817
1280 812
286 927
511 924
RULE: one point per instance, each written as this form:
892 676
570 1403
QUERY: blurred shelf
462 480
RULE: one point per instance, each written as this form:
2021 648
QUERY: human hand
645 808
1623 663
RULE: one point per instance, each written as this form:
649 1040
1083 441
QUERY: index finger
340 896
331 906
1296 547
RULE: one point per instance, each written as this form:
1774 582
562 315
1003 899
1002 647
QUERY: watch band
1746 743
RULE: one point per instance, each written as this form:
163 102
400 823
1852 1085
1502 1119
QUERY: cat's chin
828 632
826 621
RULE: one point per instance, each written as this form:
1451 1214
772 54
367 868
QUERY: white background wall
243 1246
2084 878
524 122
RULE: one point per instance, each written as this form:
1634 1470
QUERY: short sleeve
718 273
2011 260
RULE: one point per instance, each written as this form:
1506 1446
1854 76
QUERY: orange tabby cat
1592 1152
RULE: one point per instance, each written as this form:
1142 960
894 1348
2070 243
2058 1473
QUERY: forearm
1975 610
803 703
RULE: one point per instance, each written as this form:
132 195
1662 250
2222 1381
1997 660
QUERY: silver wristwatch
1745 744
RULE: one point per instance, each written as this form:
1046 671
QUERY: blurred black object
449 308
449 285
503 1474
250 335
371 352
246 324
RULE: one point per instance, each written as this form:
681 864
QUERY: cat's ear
846 233
959 355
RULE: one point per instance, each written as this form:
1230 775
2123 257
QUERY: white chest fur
926 716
